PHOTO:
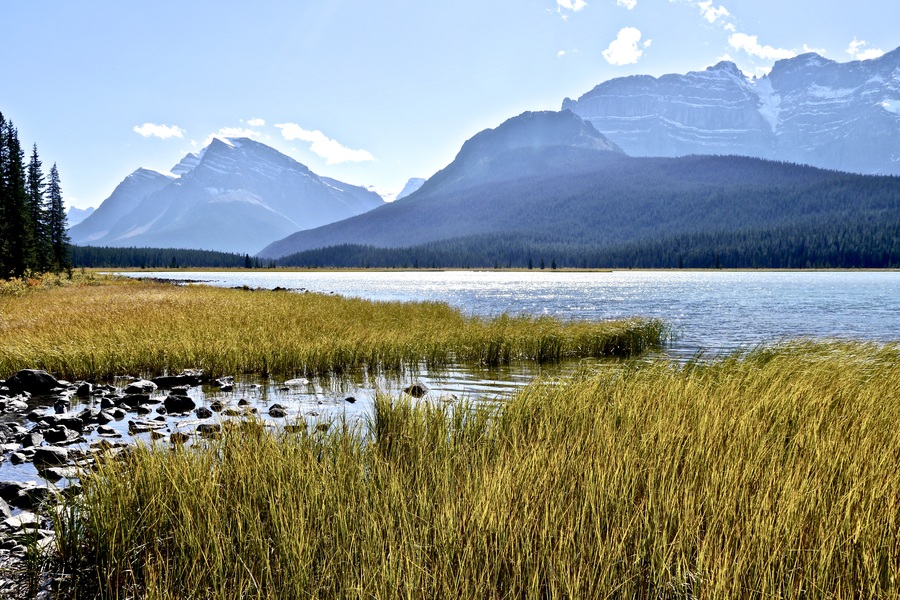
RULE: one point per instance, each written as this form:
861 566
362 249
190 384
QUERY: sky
368 92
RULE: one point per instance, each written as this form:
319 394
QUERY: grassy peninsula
100 327
771 474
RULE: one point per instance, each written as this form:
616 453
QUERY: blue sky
369 92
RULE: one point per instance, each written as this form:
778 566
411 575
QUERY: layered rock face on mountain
237 195
808 110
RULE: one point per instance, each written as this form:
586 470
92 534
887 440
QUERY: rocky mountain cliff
237 195
808 110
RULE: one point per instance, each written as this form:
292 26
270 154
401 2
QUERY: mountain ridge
808 110
235 196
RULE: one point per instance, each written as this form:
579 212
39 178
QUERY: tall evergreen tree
59 236
38 255
16 229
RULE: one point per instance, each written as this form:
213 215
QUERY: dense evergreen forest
33 236
857 244
161 258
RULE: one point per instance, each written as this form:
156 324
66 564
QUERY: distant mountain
808 110
411 186
550 182
237 195
76 215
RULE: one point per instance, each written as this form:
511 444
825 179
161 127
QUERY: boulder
61 435
104 417
209 429
50 456
416 390
277 411
350 400
141 386
11 489
33 438
216 406
85 389
203 413
179 404
33 381
134 400
107 431
170 381
62 405
71 422
179 438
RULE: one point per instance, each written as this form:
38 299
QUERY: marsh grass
102 327
772 474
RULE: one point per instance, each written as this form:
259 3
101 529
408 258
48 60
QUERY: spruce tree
60 254
38 255
16 229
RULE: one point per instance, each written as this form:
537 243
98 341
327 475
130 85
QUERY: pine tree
16 229
39 253
60 254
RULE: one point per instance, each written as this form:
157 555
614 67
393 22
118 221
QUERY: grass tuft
769 474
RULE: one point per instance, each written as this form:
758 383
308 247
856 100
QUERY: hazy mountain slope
530 145
809 109
595 198
236 196
127 196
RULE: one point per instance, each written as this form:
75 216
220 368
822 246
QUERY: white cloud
629 4
751 45
712 14
858 50
321 145
647 43
560 54
162 132
624 49
573 5
256 122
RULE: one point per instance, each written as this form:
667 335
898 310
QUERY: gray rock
209 429
134 400
50 456
84 390
104 417
11 489
33 438
179 404
136 427
62 405
71 422
203 413
141 386
16 404
18 458
33 381
216 406
144 409
350 400
107 431
179 438
277 411
171 381
416 390
5 510
61 435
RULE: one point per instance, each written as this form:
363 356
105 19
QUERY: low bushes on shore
772 474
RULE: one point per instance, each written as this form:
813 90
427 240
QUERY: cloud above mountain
626 48
162 132
321 145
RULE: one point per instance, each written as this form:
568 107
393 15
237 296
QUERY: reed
771 474
102 327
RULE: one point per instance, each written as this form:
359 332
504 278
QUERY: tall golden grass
107 327
770 475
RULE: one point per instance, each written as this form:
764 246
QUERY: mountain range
808 110
237 195
549 184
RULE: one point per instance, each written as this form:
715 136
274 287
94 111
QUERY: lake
710 311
